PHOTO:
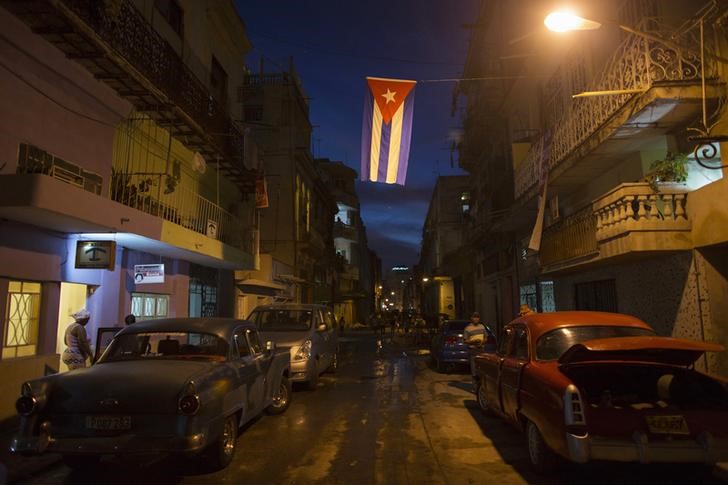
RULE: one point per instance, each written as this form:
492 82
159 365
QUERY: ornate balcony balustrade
631 218
117 45
637 64
345 231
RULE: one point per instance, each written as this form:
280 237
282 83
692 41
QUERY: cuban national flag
387 130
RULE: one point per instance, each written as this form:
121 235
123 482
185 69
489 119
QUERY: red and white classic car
603 386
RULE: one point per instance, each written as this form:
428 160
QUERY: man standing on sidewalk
474 337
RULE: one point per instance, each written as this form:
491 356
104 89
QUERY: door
493 381
258 394
247 374
72 299
512 370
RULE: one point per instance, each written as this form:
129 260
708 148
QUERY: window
22 315
598 296
241 344
218 82
506 343
203 299
521 344
465 202
148 306
172 13
553 344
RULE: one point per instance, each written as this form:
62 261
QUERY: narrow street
383 417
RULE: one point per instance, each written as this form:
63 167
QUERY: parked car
603 386
174 386
308 330
448 347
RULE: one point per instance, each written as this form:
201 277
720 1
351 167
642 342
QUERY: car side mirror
270 346
322 328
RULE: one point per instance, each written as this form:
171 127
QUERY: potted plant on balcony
673 168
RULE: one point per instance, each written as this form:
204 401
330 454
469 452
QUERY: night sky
335 45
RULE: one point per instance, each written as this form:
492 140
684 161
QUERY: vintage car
308 330
603 386
448 347
174 386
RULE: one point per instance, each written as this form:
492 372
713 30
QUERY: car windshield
165 345
283 320
553 344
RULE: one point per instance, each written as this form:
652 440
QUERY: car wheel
480 392
313 381
81 462
281 399
542 458
221 452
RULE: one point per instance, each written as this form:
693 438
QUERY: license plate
667 425
108 423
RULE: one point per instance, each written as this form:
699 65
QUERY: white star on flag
389 96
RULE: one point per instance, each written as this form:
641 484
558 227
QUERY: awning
289 278
259 287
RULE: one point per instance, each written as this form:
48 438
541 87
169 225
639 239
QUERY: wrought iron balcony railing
570 238
118 45
637 64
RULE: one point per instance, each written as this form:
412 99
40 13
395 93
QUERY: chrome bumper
301 370
704 449
109 445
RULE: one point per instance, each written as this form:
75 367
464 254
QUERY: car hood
287 339
660 350
125 386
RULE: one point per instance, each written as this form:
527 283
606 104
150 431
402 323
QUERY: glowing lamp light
565 21
425 279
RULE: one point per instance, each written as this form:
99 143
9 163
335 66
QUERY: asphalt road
385 417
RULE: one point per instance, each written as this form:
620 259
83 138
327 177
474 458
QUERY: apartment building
445 266
620 231
123 185
296 227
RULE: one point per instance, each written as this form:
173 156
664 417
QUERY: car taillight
451 340
573 407
189 404
25 405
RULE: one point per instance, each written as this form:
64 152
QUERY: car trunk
665 402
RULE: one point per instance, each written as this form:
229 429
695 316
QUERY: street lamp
425 279
565 21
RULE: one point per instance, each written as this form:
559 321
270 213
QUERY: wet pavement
384 417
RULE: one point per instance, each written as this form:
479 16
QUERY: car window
330 321
165 345
241 343
553 344
283 320
254 342
506 343
521 347
318 320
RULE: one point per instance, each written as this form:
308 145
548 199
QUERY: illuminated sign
148 273
400 268
95 254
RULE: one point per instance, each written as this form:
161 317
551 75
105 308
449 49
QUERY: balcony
668 81
627 221
116 44
345 231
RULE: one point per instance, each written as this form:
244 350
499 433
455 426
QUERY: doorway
72 299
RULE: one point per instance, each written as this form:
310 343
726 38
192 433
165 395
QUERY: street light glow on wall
565 21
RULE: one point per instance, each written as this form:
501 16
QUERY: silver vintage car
174 386
310 332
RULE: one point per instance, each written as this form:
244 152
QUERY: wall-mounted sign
212 228
148 273
95 254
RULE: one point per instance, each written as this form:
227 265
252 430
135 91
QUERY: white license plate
667 425
108 423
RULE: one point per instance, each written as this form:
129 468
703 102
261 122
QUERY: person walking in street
76 340
474 337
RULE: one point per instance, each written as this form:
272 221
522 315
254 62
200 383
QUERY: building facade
118 193
633 214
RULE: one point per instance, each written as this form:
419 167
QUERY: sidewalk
21 467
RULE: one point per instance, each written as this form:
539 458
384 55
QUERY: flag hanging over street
387 130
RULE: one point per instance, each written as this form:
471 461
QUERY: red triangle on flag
389 94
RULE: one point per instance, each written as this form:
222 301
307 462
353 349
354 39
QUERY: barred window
148 306
22 315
